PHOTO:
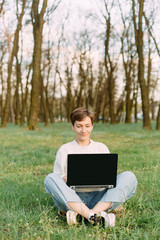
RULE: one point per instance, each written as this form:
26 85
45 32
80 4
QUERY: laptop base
91 186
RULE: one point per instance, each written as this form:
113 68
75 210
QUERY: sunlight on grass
27 211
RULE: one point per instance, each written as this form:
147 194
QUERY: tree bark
69 97
38 22
1 6
158 51
158 119
139 44
100 90
82 76
110 70
135 96
2 49
128 66
17 97
51 104
25 98
13 53
128 101
44 105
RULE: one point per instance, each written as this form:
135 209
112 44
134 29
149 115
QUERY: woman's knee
50 182
49 178
130 177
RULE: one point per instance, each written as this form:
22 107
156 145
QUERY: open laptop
92 170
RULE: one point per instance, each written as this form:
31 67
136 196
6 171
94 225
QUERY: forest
55 57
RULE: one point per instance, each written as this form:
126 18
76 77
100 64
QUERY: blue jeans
62 194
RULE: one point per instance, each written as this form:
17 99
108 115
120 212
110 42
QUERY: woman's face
83 130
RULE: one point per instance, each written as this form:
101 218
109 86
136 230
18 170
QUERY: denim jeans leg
60 192
125 188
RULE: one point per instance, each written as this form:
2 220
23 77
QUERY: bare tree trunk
139 44
13 53
111 94
37 22
2 81
105 113
52 105
129 104
61 102
120 107
49 103
128 65
158 119
69 97
17 110
135 110
44 103
152 106
100 91
11 111
135 95
158 51
110 70
90 82
24 100
82 83
49 106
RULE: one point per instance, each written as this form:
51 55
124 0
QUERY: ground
27 211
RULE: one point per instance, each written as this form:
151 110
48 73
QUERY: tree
100 92
138 30
128 67
44 102
90 84
82 80
37 22
109 65
12 54
25 98
158 119
3 50
128 54
1 6
17 96
69 97
158 51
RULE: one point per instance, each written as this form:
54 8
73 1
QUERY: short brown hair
80 113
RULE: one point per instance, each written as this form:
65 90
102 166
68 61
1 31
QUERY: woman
90 204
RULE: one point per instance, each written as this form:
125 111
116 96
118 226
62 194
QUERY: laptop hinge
91 186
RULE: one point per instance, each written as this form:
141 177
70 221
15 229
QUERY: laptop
92 170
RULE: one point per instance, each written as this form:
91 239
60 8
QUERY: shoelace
97 220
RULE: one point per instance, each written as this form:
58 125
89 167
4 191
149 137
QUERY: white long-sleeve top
60 165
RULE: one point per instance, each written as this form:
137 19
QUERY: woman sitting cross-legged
92 204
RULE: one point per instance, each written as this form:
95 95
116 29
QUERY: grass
27 211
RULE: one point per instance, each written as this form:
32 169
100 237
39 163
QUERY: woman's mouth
83 134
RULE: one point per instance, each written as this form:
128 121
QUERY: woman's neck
83 143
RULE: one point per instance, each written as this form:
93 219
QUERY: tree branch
150 32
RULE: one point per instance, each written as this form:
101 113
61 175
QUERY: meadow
27 212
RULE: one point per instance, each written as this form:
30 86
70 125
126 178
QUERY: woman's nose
83 129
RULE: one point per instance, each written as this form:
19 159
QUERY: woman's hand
65 178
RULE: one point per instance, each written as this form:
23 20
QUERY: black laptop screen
92 169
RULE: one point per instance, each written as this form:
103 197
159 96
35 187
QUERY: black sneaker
103 219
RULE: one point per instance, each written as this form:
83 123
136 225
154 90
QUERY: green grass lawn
26 157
